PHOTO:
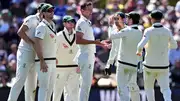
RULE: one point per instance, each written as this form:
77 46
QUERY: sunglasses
71 21
50 10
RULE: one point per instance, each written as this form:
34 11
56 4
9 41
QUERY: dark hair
134 16
83 6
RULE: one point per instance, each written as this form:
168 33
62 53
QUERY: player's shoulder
81 22
30 17
60 33
41 25
126 29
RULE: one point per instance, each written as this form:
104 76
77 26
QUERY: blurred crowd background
12 13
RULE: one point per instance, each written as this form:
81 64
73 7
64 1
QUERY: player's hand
107 70
111 20
43 66
138 54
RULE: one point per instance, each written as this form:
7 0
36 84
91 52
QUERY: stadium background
12 13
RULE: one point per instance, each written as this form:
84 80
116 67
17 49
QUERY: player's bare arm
81 40
22 33
38 49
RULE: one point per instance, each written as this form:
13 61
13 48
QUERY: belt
37 60
156 67
125 63
62 66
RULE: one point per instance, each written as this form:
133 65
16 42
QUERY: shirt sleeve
113 53
120 34
80 27
40 32
172 42
28 22
143 41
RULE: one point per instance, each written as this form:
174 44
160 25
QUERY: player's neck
48 20
120 27
70 31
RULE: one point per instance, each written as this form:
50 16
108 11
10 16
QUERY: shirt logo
65 46
51 35
79 28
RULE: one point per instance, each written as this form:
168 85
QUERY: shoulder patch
79 28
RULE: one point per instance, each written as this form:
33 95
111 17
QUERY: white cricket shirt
47 32
158 41
31 22
84 26
129 39
66 47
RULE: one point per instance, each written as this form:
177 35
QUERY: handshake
104 44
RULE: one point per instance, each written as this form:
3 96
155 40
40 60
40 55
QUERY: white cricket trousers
46 80
127 82
68 80
162 78
25 74
86 64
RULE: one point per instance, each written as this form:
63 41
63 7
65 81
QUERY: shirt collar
66 31
86 19
49 24
38 17
134 25
156 24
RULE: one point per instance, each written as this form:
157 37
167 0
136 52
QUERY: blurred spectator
32 7
3 72
130 5
174 54
141 7
165 7
4 21
18 10
11 36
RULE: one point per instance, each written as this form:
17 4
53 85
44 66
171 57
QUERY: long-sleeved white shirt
66 48
115 47
129 38
158 41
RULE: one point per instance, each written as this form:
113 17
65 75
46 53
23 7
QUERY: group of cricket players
63 62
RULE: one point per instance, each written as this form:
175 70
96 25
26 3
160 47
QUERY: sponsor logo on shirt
65 46
51 35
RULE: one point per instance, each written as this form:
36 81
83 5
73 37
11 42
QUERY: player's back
157 46
128 45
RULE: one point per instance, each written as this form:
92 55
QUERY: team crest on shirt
65 46
51 35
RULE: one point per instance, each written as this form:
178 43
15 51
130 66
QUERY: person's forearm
84 41
38 49
23 36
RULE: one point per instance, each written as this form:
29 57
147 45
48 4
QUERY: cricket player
66 76
127 59
158 40
85 56
119 19
25 59
45 47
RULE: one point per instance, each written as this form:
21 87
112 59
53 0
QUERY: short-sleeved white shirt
31 22
48 37
84 26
